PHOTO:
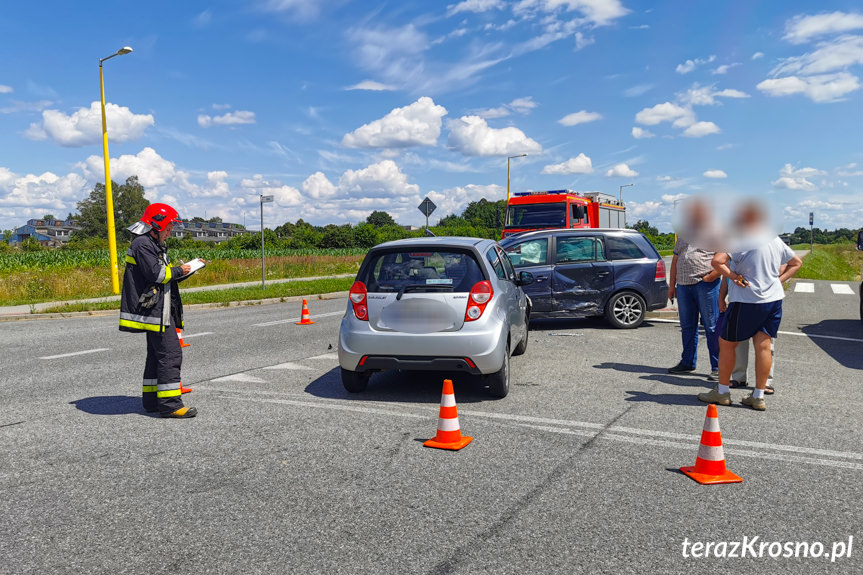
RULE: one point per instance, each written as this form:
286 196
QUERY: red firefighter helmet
158 216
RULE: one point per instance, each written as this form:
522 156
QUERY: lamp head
124 50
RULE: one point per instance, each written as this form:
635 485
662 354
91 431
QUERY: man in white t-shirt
755 302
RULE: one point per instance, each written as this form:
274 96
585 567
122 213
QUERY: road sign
427 207
266 199
811 218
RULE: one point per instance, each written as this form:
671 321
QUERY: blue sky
341 107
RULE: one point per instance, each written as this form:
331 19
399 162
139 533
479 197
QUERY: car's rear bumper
417 363
483 344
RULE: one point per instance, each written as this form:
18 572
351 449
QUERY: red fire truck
552 209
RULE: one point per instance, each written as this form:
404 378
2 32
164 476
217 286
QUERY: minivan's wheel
626 310
498 382
355 381
522 345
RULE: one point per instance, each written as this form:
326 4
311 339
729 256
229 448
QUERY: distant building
50 233
55 233
216 232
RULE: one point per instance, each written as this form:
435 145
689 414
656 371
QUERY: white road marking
296 319
797 333
75 353
804 287
289 365
842 289
197 334
614 433
333 356
242 377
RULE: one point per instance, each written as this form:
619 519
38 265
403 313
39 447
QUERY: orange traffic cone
448 432
185 389
709 465
180 337
306 319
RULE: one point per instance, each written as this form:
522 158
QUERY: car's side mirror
525 279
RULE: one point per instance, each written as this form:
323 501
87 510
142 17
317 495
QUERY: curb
116 312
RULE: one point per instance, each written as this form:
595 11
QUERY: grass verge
837 262
225 296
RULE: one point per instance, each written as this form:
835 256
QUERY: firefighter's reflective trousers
161 391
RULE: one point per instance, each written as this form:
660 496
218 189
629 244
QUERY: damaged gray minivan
590 272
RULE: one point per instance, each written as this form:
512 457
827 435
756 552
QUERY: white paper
195 265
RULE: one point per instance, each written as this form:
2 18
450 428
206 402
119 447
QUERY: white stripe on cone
447 400
448 424
709 453
711 424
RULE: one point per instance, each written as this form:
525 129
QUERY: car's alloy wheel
355 381
626 310
498 382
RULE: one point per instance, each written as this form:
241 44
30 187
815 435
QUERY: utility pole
621 191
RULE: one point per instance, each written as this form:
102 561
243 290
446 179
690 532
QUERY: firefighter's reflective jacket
150 291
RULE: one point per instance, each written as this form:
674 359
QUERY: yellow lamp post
109 195
507 172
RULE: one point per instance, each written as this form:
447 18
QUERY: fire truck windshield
552 215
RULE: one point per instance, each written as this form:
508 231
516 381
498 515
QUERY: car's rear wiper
423 288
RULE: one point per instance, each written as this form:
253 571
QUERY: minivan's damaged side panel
581 289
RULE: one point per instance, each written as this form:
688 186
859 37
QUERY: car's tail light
660 270
359 301
480 294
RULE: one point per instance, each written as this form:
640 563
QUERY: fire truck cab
527 211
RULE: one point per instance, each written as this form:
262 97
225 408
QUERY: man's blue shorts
744 320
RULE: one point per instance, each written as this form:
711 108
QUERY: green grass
837 262
225 296
799 247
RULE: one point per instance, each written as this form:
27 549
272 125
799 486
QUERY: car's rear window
623 249
421 270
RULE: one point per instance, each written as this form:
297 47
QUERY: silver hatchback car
435 304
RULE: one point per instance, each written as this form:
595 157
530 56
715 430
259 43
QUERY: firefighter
150 303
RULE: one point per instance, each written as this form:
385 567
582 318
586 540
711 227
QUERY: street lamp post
507 172
621 192
264 200
109 194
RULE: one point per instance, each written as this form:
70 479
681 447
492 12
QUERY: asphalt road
284 472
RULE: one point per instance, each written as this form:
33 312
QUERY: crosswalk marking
75 353
288 365
803 287
842 289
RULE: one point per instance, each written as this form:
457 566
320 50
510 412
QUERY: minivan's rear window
421 270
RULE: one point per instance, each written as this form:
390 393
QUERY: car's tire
498 382
626 310
355 381
522 345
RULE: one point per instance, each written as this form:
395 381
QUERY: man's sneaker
756 403
182 413
680 368
714 375
713 396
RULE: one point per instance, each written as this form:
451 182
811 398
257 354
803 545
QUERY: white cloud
666 112
691 65
700 129
837 54
153 170
5 89
724 68
821 88
643 210
418 124
637 90
283 195
455 200
31 195
519 106
801 28
621 171
317 186
394 54
671 198
472 136
474 6
582 41
381 180
641 133
758 55
371 85
301 10
794 179
582 117
84 126
580 164
234 118
596 12
715 174
699 95
203 19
